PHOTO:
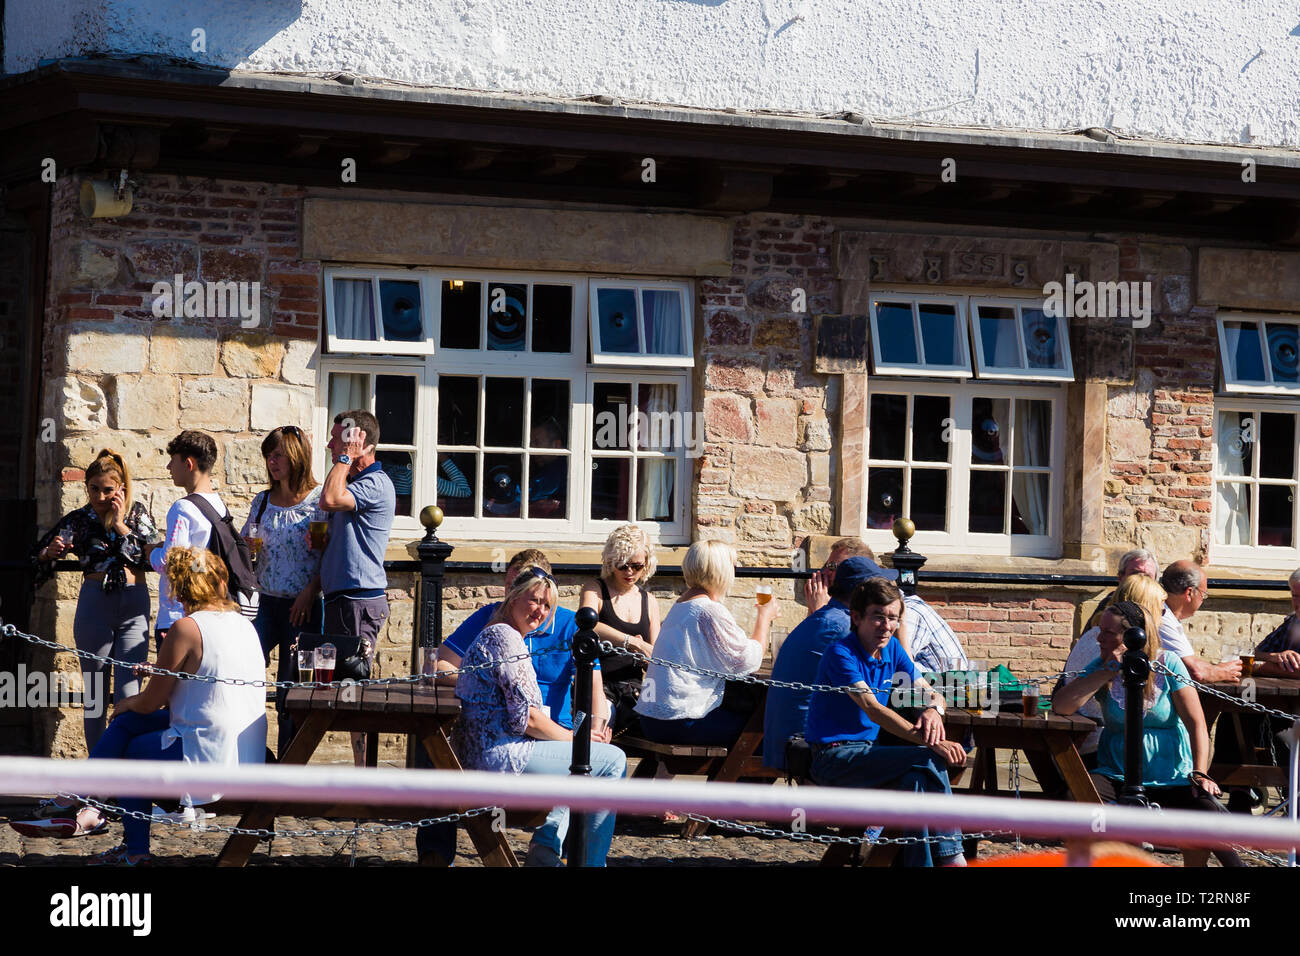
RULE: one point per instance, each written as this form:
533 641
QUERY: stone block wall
765 477
1160 428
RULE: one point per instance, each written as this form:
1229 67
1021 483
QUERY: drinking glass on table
1029 697
977 674
775 638
326 654
1246 653
306 666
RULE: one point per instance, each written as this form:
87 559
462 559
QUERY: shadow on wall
223 35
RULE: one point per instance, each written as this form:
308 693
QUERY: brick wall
118 376
1160 429
765 477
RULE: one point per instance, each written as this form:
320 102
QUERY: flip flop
61 828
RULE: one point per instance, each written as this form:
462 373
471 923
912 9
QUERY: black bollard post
906 561
1134 668
428 617
584 661
433 559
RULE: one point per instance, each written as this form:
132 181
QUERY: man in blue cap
801 654
925 635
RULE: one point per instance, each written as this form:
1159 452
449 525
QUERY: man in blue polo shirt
551 648
843 727
787 710
361 501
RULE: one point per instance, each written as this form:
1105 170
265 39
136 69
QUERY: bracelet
1201 774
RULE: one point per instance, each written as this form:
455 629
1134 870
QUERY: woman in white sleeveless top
205 722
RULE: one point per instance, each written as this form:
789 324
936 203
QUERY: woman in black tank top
628 618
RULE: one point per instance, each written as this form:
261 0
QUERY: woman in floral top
287 569
110 537
503 723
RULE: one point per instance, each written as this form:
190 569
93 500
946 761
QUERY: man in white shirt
1184 583
193 454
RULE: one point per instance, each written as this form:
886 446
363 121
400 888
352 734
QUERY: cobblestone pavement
637 843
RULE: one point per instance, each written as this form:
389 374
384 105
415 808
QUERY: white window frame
676 527
959 540
430 364
1235 386
922 368
1252 555
1022 373
641 359
378 345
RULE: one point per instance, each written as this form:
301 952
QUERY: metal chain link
1236 701
9 630
262 833
831 838
606 647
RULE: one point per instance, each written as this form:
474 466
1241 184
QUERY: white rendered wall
1225 71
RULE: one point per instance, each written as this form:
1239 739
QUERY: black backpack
231 548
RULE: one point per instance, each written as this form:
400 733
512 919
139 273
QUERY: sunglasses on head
630 566
293 430
536 572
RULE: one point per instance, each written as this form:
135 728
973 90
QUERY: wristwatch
344 459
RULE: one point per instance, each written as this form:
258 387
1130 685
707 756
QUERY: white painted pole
1055 820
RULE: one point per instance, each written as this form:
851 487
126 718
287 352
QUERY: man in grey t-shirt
361 501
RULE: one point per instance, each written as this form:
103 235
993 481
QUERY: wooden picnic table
1279 693
1049 741
422 710
741 762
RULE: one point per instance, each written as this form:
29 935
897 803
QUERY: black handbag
740 697
798 758
351 662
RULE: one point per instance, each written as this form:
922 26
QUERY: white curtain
663 312
346 392
354 313
1033 438
1232 505
655 481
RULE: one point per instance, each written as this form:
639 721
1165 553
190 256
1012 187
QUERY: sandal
60 822
118 857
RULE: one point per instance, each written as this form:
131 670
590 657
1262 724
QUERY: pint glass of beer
319 532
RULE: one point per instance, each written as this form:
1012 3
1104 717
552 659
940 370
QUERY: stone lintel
1248 279
495 237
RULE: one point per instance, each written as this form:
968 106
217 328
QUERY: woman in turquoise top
1176 745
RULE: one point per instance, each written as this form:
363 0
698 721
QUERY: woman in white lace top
682 707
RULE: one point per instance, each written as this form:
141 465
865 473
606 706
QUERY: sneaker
118 857
539 855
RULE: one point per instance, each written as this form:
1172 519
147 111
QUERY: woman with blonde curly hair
110 537
197 721
628 616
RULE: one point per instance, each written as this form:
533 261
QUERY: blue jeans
717 728
111 624
135 736
275 630
555 756
860 763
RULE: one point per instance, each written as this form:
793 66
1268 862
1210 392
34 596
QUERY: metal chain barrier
201 825
1235 701
831 838
607 648
9 630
